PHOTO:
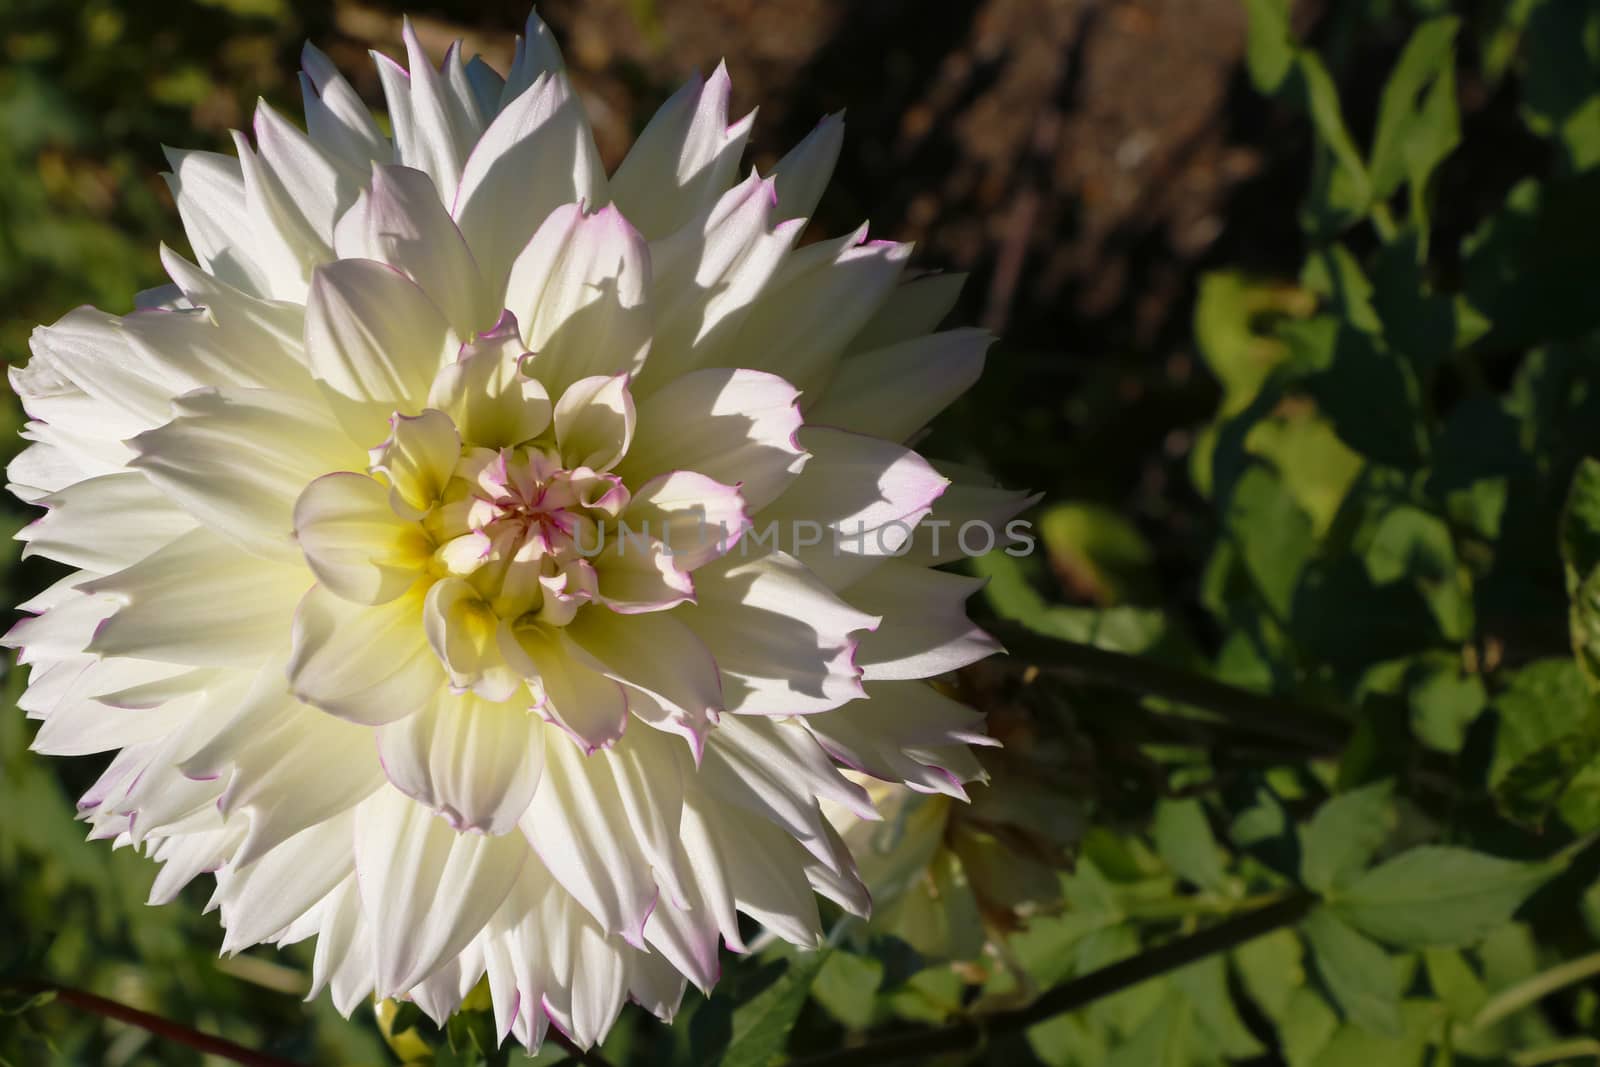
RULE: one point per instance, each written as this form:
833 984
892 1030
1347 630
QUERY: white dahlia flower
337 499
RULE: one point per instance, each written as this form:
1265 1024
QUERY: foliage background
1300 319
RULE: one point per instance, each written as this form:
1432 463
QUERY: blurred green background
1298 342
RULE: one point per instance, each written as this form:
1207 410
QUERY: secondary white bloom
336 499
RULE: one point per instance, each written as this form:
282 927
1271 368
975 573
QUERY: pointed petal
475 762
869 395
370 665
580 290
735 426
399 220
428 890
373 335
354 542
236 459
594 422
201 601
537 154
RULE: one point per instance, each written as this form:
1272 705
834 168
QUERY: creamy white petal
868 393
913 309
336 119
354 542
653 652
594 422
736 426
856 503
200 601
236 459
373 335
536 155
803 173
925 628
426 889
572 694
607 872
368 664
818 300
208 188
784 642
580 290
104 524
399 220
475 762
684 159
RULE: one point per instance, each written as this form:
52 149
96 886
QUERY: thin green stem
1069 996
1309 725
1530 990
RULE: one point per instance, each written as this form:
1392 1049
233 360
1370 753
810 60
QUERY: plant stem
1512 1000
1311 725
161 1027
1069 996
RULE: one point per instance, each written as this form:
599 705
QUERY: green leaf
1183 838
1342 837
1357 971
1097 553
1439 895
1272 968
1308 1024
1418 123
1545 757
1272 533
1454 982
1269 51
761 1025
1205 984
847 986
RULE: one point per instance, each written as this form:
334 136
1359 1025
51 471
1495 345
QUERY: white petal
925 628
373 335
536 155
580 290
427 889
74 530
370 665
209 190
200 601
785 644
893 392
469 640
399 220
857 502
803 173
684 159
594 422
655 653
735 426
265 897
336 118
899 733
313 183
88 349
697 518
285 242
914 309
970 498
819 299
587 705
236 459
536 53
288 766
354 542
475 762
486 394
709 276
579 828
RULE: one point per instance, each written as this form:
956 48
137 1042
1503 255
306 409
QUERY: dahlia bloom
427 589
